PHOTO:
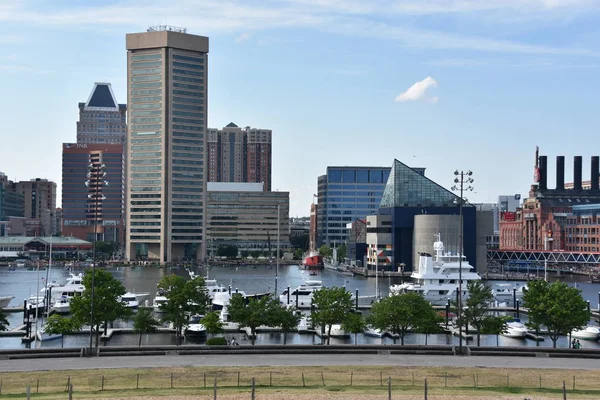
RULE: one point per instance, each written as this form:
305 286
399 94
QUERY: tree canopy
332 306
354 323
399 313
557 306
476 306
253 312
59 325
286 318
325 251
107 305
212 323
183 298
342 252
144 322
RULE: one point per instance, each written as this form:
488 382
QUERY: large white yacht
437 280
73 286
302 295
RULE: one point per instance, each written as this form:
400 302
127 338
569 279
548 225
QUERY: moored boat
515 329
5 300
586 333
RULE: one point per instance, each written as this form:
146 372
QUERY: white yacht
505 292
337 331
437 280
73 286
515 329
42 336
586 333
159 301
4 300
212 287
130 300
373 332
62 305
222 299
302 295
195 330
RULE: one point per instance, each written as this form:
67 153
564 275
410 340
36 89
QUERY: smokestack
577 173
560 173
595 176
543 184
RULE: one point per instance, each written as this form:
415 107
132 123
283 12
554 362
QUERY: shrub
217 341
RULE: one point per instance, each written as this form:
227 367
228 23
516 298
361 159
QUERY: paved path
228 360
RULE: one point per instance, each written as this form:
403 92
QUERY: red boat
313 261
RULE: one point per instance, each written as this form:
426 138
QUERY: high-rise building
241 155
166 165
11 202
101 119
345 194
92 198
39 196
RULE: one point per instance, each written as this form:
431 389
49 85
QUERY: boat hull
585 334
5 300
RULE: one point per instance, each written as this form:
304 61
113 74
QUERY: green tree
59 325
106 249
477 305
325 251
557 306
287 318
144 322
342 252
297 254
354 323
244 253
332 306
3 321
212 323
255 254
107 306
494 326
399 313
252 313
228 251
183 298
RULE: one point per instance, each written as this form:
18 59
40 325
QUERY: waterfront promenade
299 360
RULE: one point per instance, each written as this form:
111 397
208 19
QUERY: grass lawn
304 383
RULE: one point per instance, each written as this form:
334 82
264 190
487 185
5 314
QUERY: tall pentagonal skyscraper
166 168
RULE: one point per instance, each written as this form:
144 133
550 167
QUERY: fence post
238 378
68 384
137 381
215 389
205 379
413 376
0 386
380 378
389 388
507 384
253 389
474 382
37 385
573 382
322 378
425 397
70 392
445 379
171 380
102 388
303 382
270 378
540 381
28 392
564 391
351 377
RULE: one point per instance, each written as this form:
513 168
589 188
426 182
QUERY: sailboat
40 333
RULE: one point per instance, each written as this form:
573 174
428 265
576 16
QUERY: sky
442 84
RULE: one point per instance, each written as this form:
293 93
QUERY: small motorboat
195 330
62 305
159 302
372 332
515 329
42 336
130 300
586 333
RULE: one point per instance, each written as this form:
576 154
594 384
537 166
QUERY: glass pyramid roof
408 188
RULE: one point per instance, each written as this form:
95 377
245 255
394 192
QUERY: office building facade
91 195
243 215
237 154
11 202
101 119
345 194
166 142
39 200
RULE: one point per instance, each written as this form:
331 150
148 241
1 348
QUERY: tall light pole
462 183
277 252
96 176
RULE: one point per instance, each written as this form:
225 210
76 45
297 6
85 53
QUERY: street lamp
462 183
95 180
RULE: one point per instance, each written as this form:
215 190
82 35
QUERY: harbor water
23 283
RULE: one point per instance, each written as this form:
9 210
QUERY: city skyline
423 82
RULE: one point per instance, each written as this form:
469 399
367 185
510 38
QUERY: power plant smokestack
577 173
595 176
543 184
560 173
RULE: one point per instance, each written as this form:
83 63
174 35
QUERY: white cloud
243 37
418 91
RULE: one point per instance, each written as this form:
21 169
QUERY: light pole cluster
95 182
462 182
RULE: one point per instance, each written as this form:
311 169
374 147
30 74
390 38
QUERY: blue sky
443 84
